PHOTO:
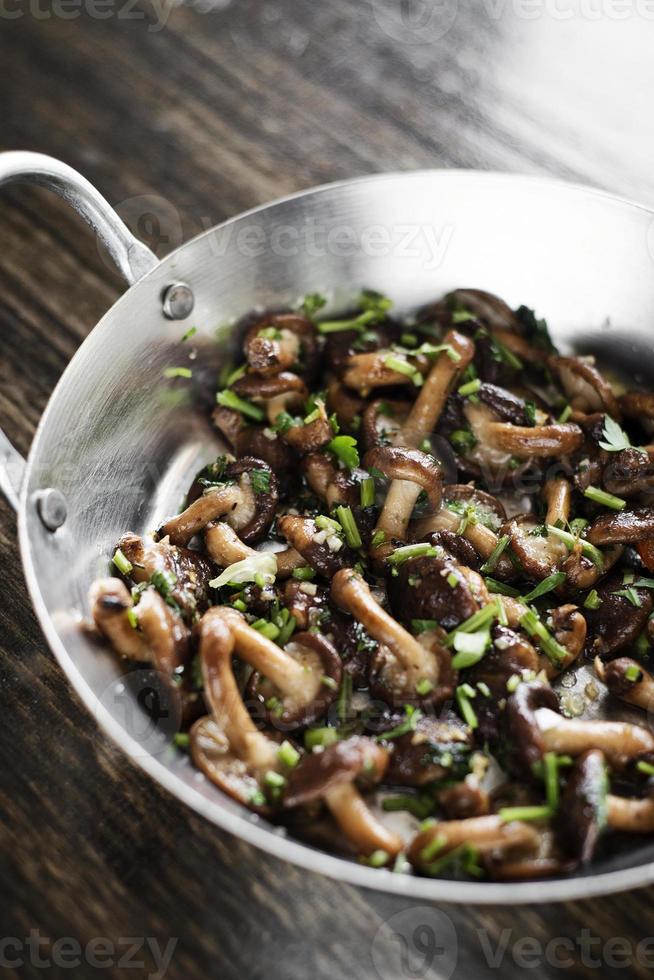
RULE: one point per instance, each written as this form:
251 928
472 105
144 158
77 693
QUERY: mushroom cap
192 571
629 472
422 589
211 753
256 388
436 749
486 307
585 386
396 687
343 762
261 353
503 403
616 623
538 556
381 422
488 509
345 404
401 463
324 671
258 441
625 527
264 503
582 810
526 737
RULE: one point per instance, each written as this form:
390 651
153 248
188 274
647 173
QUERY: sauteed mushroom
355 587
331 776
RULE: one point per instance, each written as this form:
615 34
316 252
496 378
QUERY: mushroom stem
557 493
110 601
358 823
540 441
164 632
264 655
217 642
628 680
487 833
396 512
411 472
351 592
208 507
428 406
226 548
633 816
618 740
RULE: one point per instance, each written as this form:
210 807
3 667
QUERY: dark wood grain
181 127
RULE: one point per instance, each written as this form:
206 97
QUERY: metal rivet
51 508
178 301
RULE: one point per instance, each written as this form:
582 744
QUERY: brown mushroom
618 740
539 552
110 602
277 394
628 680
632 816
411 472
402 665
365 372
301 680
639 405
331 775
527 739
381 423
434 750
226 745
620 617
247 499
629 472
582 811
322 548
186 572
569 628
625 527
226 548
486 834
433 588
557 494
587 390
279 341
346 406
486 307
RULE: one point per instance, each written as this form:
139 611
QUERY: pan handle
133 258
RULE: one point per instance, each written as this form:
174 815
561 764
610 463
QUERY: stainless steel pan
118 443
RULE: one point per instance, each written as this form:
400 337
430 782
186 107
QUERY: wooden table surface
184 116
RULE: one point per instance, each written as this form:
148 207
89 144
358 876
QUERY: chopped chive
240 605
502 617
288 755
411 551
329 682
422 625
633 673
587 549
551 647
178 372
508 813
484 689
257 798
412 716
228 399
551 774
496 553
349 525
433 848
344 698
132 618
416 807
274 779
423 687
378 538
547 585
604 498
592 600
403 367
182 740
565 414
269 630
470 648
631 595
452 580
304 574
645 767
378 858
191 332
367 492
320 737
470 387
286 631
501 588
463 694
354 323
328 524
122 563
483 617
514 681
